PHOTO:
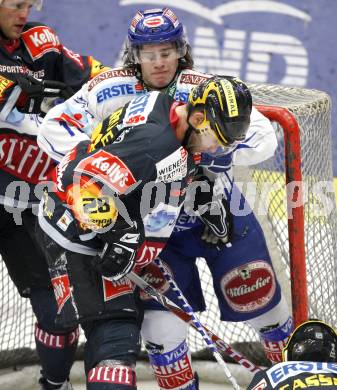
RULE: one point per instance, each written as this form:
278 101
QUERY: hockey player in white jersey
157 57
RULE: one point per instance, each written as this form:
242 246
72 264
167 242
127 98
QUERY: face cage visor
229 145
164 51
203 139
19 5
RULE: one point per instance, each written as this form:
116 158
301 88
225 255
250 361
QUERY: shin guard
274 338
56 353
173 369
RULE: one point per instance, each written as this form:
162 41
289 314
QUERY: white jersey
73 121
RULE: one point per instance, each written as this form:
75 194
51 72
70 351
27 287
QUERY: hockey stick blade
221 345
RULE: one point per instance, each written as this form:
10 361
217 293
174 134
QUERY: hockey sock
173 369
56 353
112 377
274 339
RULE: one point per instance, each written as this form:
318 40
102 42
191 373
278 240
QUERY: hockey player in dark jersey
157 57
309 361
36 71
104 215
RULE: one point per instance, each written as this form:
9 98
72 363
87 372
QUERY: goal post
293 174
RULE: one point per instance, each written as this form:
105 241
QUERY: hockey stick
168 304
197 324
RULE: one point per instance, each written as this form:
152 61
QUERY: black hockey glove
216 218
118 256
215 213
40 95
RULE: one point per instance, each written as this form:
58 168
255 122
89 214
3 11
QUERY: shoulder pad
96 67
40 39
31 24
190 76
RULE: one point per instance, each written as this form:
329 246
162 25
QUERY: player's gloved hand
38 96
209 237
119 253
116 261
217 222
212 208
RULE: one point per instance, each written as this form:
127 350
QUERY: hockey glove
214 211
118 256
217 223
38 96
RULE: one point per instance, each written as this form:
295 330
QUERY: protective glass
19 5
147 54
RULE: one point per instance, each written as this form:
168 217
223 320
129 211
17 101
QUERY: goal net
295 204
306 242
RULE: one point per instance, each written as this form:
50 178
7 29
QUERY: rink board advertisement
289 42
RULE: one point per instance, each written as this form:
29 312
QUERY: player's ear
196 118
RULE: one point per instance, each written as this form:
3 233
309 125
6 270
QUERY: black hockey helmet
227 103
314 341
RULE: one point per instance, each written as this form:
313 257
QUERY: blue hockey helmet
156 26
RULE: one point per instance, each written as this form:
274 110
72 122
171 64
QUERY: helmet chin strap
187 136
189 130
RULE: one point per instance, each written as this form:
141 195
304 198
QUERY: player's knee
164 328
112 374
111 340
274 328
45 308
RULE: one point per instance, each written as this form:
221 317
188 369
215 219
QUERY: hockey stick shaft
168 304
198 325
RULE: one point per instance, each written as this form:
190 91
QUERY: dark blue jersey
296 375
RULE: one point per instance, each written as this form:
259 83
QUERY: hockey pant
28 270
109 312
244 282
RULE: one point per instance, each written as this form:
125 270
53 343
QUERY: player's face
203 139
13 16
158 64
